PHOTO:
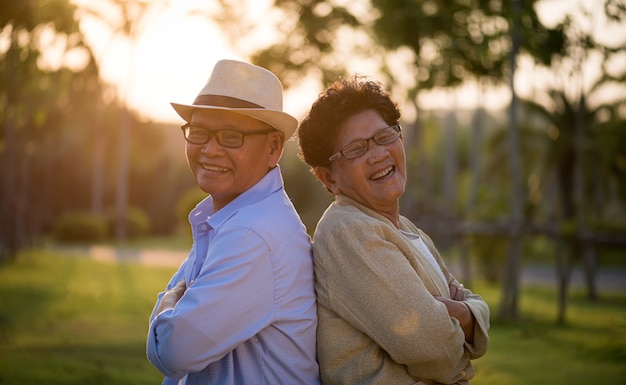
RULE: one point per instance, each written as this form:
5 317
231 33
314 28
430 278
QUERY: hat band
224 101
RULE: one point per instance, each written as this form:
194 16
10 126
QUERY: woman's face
375 179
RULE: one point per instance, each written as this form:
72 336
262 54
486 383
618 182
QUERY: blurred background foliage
78 165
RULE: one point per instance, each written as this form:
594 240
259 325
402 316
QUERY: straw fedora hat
245 89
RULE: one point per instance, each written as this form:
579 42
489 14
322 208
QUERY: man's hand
457 292
172 296
458 309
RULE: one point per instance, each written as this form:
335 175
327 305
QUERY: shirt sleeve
175 278
374 287
229 302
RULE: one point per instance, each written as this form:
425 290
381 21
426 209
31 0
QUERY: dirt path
148 257
608 280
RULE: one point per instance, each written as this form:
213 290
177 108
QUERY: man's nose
211 144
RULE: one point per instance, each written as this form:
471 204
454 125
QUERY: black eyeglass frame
216 134
340 153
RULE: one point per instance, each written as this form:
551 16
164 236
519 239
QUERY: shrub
188 202
136 220
185 204
137 223
80 227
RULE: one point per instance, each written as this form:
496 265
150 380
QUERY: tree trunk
564 269
411 199
8 225
97 176
9 234
122 182
478 123
590 258
588 254
450 166
510 292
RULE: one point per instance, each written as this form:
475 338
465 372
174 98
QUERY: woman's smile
383 173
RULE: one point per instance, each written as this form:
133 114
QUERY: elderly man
241 308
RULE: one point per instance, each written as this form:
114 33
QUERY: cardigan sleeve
371 284
478 307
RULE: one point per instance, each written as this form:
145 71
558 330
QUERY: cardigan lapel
430 277
424 269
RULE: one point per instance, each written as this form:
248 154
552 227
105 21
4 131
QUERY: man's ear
277 145
325 175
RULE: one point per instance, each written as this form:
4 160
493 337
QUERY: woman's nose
376 151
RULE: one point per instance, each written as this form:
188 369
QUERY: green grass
75 321
589 349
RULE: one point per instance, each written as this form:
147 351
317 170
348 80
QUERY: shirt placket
201 246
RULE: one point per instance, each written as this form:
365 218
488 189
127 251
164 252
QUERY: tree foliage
450 41
458 40
577 120
36 100
55 112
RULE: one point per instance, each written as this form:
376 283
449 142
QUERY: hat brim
277 119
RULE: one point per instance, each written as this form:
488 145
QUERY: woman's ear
325 175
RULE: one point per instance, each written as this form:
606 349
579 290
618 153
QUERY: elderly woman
389 310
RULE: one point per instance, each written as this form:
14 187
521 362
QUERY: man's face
225 172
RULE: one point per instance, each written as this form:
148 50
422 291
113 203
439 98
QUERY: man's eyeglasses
225 138
359 147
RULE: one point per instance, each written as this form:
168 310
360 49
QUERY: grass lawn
589 349
76 321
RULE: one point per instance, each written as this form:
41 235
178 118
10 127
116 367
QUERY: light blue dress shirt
249 313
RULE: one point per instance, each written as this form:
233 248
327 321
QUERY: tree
443 44
54 104
579 122
448 43
127 22
36 94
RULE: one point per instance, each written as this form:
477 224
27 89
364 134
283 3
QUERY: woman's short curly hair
341 100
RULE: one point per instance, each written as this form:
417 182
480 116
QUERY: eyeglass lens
226 138
359 147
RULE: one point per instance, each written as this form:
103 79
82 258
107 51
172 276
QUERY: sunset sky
175 52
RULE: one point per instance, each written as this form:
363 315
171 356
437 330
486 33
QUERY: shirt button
204 227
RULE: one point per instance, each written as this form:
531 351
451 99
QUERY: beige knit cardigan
378 321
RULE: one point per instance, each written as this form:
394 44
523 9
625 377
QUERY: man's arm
228 302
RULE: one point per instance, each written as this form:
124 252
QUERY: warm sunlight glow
170 60
177 46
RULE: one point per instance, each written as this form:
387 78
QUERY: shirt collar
203 212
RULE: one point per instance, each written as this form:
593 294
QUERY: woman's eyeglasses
359 147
